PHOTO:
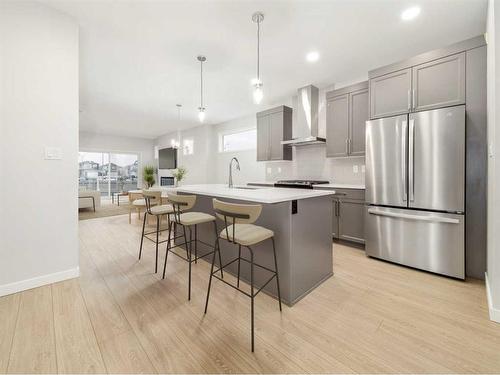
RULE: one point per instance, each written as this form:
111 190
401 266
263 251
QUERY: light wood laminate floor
120 317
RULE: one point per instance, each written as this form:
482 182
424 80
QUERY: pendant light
201 108
258 94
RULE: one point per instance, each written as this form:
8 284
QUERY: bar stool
181 204
239 230
151 201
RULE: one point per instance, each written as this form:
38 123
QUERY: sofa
89 198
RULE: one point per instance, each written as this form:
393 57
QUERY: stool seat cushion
162 210
141 203
192 218
247 234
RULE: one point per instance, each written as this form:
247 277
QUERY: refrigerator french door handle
403 164
435 219
411 160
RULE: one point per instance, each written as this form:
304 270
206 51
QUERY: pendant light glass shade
258 93
201 114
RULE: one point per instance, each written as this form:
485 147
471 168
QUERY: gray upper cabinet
390 94
263 138
439 83
346 115
274 126
358 117
337 128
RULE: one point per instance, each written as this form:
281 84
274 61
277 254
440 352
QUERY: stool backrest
233 213
181 203
151 197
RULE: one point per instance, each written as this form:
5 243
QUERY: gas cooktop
301 184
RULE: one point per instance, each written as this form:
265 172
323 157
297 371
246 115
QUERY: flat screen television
167 158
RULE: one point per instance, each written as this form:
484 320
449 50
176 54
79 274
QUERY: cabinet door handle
413 99
409 100
347 146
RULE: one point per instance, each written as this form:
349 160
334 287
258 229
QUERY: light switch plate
53 153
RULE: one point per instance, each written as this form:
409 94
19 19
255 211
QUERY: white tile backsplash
310 162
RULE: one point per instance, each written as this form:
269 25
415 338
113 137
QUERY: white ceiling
138 58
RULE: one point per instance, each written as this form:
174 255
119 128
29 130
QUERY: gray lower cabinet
274 126
347 113
348 215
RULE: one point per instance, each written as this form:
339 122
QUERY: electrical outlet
279 169
53 153
268 170
355 168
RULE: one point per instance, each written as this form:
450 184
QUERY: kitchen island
301 220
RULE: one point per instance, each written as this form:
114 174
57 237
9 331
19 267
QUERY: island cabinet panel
347 113
439 83
390 94
348 215
274 126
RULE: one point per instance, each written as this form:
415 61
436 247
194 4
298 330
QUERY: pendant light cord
201 83
258 51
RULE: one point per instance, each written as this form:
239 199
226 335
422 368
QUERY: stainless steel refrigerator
415 190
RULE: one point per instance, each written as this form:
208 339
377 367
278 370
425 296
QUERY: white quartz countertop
319 186
254 194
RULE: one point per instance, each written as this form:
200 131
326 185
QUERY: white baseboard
494 312
35 282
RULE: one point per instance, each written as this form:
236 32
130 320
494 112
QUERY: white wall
113 143
493 256
38 108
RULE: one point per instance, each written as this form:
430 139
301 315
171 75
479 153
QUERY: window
239 141
108 172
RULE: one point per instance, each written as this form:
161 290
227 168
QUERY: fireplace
166 181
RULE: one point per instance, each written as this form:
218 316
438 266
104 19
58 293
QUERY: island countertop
267 195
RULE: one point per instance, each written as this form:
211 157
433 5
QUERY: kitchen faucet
230 184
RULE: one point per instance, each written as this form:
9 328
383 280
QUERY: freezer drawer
426 240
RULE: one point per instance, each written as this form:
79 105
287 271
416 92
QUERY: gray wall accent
476 163
471 43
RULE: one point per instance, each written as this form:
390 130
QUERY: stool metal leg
276 270
216 246
195 243
218 249
142 237
188 252
168 247
157 239
251 294
239 261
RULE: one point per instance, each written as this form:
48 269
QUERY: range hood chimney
305 128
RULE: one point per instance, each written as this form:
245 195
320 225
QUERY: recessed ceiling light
312 56
410 13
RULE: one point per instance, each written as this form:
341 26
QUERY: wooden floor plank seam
12 339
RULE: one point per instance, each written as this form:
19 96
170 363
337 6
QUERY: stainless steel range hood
305 126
